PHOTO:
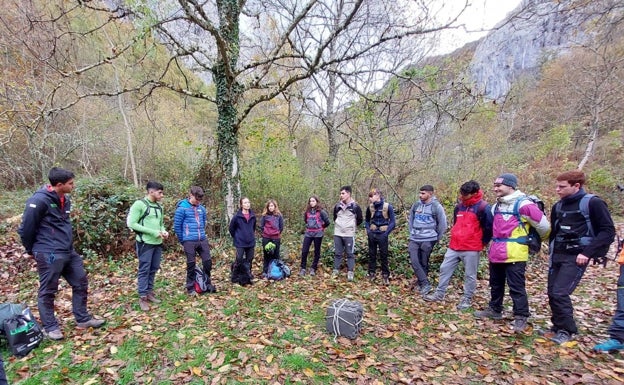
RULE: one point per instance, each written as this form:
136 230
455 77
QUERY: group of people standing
580 229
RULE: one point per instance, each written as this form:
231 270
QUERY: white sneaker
349 276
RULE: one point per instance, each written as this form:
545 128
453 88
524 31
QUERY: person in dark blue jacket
189 224
46 233
242 229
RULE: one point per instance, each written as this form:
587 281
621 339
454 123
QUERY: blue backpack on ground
278 270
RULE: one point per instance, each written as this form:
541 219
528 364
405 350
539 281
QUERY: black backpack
20 328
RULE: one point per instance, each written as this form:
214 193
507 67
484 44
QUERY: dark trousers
191 249
305 250
616 330
514 275
149 263
269 255
419 253
244 257
564 276
52 266
378 241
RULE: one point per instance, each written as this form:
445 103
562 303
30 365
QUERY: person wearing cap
426 223
508 254
573 242
189 224
379 222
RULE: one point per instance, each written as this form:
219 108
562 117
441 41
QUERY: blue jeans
149 263
344 245
52 266
616 330
419 253
514 274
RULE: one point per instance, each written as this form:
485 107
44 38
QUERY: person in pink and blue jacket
508 254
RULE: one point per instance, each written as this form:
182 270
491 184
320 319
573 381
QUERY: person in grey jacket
426 224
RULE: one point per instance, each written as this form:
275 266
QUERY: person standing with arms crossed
347 218
46 233
146 219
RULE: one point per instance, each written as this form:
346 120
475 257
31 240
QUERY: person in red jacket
471 232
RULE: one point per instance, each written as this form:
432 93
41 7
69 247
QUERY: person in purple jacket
189 224
271 227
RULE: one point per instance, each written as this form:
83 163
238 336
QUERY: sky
479 17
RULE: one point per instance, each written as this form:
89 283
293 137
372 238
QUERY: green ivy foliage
99 211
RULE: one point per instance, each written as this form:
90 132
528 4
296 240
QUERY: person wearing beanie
582 229
426 223
513 213
470 234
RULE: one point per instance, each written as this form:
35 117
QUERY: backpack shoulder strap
584 208
384 210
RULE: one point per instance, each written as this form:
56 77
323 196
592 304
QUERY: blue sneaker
611 345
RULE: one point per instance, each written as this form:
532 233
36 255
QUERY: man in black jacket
582 229
46 233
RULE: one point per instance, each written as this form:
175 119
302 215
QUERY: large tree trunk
227 96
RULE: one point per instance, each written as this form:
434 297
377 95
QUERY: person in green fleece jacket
146 219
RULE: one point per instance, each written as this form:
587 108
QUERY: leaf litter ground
274 332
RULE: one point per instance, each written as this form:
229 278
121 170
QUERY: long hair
319 206
266 208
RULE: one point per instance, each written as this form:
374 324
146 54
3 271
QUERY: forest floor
274 332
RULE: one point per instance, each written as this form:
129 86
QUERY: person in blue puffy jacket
189 224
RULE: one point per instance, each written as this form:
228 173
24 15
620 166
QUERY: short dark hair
346 188
58 175
572 177
469 187
426 187
197 192
153 185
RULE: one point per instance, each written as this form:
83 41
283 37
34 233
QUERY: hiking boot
520 324
144 303
386 280
335 273
488 313
547 333
92 323
425 289
349 276
152 298
436 296
312 272
302 272
610 345
464 304
561 337
55 335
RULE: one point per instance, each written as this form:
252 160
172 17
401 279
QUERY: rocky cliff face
538 30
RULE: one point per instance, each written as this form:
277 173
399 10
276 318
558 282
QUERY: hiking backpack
532 238
277 270
141 220
20 328
202 282
584 210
